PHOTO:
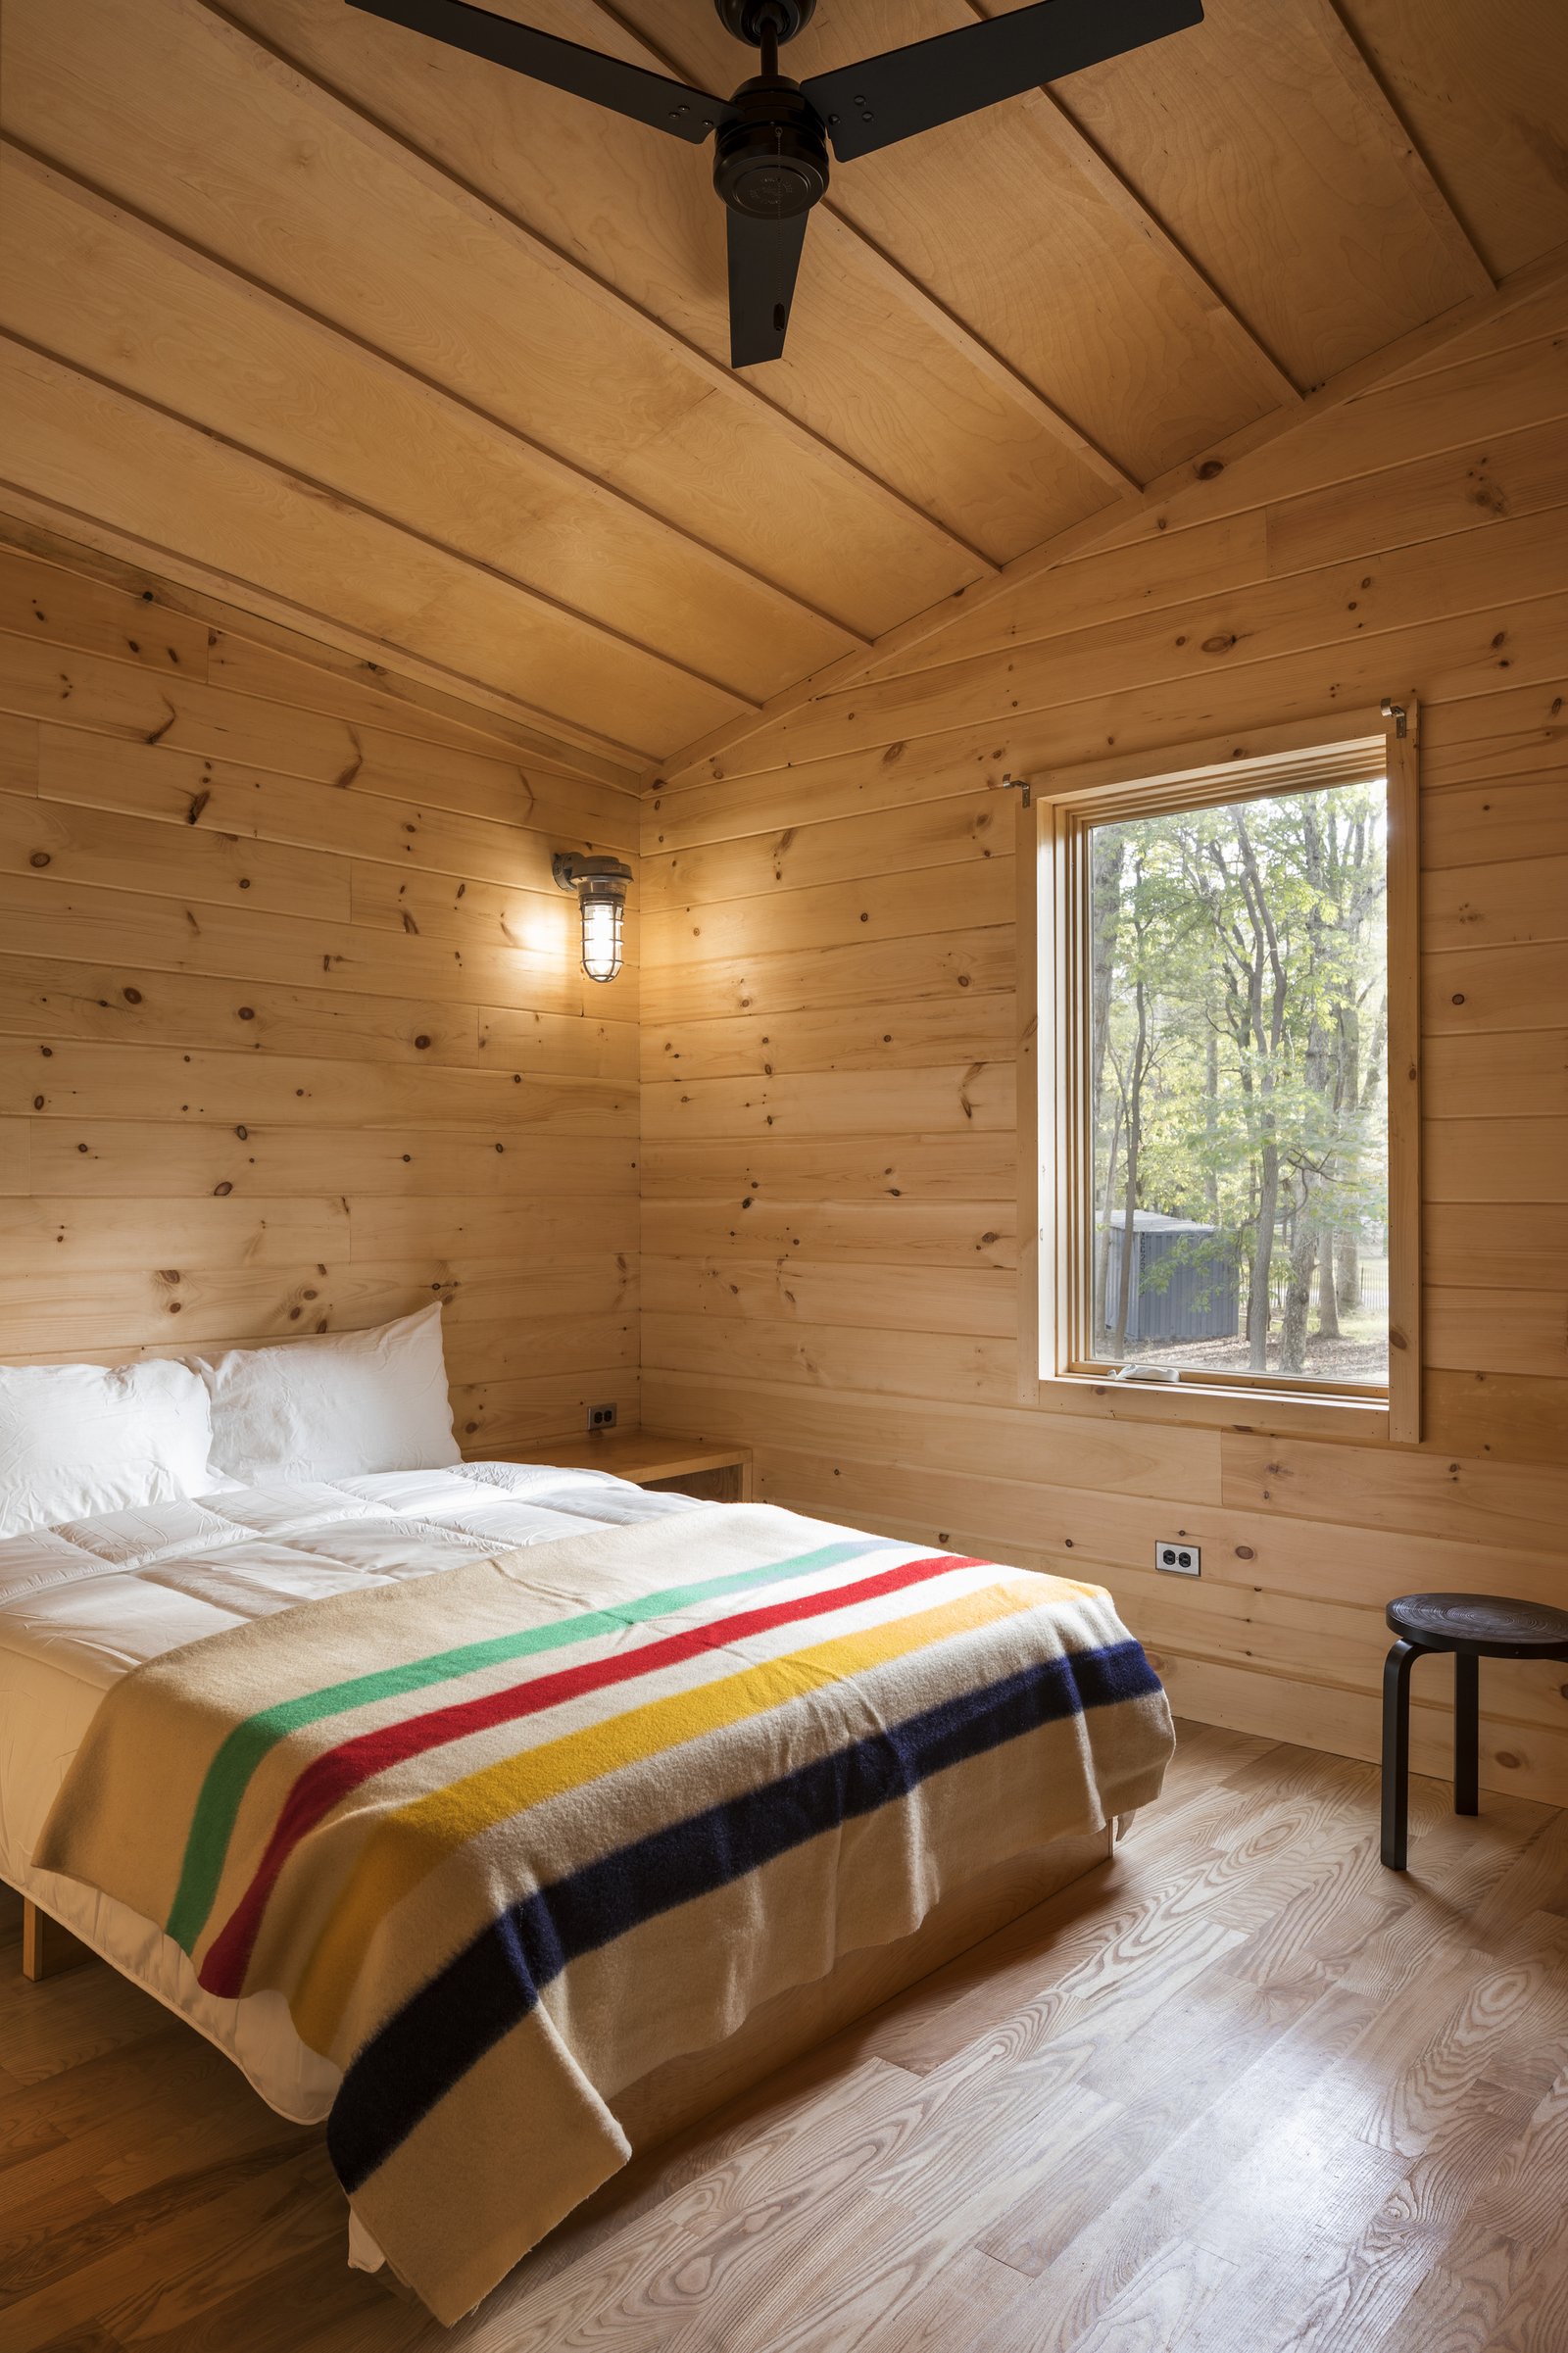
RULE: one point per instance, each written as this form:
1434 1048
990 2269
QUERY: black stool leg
1396 1752
1466 1733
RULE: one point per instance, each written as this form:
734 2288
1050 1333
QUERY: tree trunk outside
1129 1234
1212 1128
1258 1305
1108 857
1328 1306
1348 1272
1298 1291
1103 1251
1348 1275
1267 1034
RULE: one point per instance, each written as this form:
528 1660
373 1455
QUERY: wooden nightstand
683 1466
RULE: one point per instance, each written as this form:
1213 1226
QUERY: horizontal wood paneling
850 1168
1505 1414
829 1132
1500 904
886 1037
903 906
939 1365
233 1108
132 703
106 1082
1501 1331
1495 988
135 1159
825 1232
853 974
941 833
131 1004
1498 1161
1497 1074
833 1102
1444 588
978 1301
1482 824
1504 1245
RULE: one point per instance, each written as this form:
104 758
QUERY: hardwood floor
1246 2091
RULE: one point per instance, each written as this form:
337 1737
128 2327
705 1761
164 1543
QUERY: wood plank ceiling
390 344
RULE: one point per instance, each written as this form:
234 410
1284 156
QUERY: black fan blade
893 96
764 259
649 98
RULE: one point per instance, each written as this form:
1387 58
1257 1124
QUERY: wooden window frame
1051 808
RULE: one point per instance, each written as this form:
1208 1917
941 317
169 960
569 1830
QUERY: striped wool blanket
507 1838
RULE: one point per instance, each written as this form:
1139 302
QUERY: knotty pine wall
830 1236
292 1030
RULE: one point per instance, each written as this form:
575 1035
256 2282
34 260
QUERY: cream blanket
508 1839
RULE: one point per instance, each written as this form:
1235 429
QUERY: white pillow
335 1405
76 1440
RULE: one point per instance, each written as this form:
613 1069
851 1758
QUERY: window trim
1183 775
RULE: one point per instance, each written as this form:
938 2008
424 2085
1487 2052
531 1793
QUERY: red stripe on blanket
330 1777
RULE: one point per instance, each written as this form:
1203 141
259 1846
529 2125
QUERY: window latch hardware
1018 784
1395 712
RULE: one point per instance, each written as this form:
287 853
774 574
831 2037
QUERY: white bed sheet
81 1605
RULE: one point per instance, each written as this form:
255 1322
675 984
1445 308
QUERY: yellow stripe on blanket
413 1840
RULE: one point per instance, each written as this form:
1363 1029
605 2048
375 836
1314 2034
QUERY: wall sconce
601 887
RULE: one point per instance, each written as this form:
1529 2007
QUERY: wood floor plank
89 2011
189 2259
1154 2203
1506 2264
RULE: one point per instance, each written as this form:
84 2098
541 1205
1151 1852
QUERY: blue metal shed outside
1185 1280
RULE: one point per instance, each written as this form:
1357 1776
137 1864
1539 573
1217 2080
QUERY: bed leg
48 1950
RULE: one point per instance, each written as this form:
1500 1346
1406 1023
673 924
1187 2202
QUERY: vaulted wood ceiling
393 345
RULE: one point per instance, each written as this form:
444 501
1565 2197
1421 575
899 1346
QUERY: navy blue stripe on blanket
405 2070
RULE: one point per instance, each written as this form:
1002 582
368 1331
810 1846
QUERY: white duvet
82 1605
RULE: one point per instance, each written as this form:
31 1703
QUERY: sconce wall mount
600 885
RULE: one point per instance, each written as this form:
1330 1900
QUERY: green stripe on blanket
229 1776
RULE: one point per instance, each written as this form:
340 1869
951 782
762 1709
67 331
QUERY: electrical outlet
602 1417
1179 1559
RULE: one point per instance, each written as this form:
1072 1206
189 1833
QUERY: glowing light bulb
600 885
601 938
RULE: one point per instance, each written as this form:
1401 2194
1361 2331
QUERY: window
1226 975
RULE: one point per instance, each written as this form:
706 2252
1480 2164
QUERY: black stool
1474 1626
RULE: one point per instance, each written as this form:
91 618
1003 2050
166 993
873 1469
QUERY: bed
833 1761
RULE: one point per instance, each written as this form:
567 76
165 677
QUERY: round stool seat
1481 1625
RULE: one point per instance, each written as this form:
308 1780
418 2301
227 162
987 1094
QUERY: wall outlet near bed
1179 1559
602 1417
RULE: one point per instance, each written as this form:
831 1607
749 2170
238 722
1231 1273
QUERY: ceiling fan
770 161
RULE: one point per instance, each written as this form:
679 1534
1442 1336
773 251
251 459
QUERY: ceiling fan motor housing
771 163
746 19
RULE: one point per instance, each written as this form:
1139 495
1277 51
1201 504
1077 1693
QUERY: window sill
1354 1421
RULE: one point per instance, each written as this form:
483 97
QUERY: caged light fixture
601 887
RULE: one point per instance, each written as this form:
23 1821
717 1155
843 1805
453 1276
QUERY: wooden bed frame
48 1947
